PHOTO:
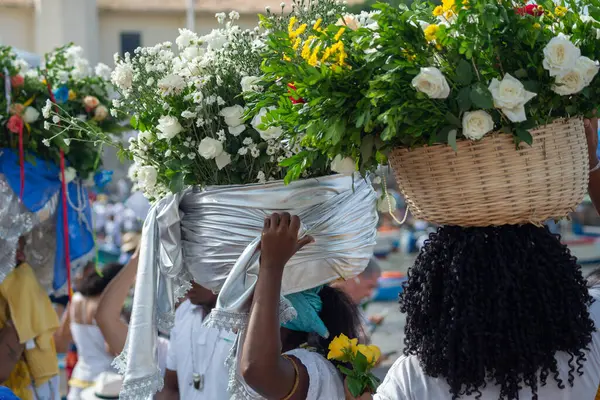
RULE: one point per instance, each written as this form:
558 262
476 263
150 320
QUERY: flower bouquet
460 87
361 358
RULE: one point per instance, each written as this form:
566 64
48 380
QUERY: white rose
570 83
476 124
31 115
223 160
146 176
345 166
234 115
122 76
510 97
273 132
432 82
560 55
215 40
103 71
168 127
210 148
100 113
237 130
144 138
70 174
588 69
185 38
383 206
171 84
192 52
250 84
132 172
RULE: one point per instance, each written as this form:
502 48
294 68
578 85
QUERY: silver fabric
211 235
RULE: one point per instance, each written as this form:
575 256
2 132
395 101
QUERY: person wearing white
276 362
196 357
107 386
407 380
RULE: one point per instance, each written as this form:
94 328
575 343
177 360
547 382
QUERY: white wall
17 28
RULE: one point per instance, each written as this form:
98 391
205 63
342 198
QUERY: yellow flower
326 55
317 25
337 347
291 25
376 352
44 82
367 351
286 58
313 60
72 95
306 48
536 26
449 5
296 44
560 11
431 32
339 34
438 11
448 14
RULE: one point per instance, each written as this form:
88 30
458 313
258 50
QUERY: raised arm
262 365
108 314
62 336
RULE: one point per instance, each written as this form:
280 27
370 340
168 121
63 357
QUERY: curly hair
494 305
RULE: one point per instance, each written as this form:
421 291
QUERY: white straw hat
108 386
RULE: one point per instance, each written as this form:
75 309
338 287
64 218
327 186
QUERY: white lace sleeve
325 382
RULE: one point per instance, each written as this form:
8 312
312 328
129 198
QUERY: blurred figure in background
79 326
130 242
360 290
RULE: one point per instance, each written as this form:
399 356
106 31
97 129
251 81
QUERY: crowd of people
492 313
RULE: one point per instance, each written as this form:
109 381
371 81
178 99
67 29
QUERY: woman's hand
280 240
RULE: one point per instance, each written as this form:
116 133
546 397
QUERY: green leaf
442 135
452 139
177 182
524 136
453 119
521 73
345 371
366 148
481 97
336 131
360 363
464 99
355 386
464 73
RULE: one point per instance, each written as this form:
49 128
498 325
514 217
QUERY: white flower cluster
187 101
572 71
562 59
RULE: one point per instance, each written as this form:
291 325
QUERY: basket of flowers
477 105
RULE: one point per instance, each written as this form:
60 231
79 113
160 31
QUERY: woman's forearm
108 314
262 366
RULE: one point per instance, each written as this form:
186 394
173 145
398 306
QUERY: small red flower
294 100
531 9
17 81
15 124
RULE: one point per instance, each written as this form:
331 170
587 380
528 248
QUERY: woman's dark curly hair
493 305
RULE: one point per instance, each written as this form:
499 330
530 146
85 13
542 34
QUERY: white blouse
406 379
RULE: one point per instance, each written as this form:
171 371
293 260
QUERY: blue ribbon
42 183
308 305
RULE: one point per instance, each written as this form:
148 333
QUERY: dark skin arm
171 388
262 365
108 314
10 350
591 132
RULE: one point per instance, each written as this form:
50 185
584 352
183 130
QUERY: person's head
94 283
201 296
361 288
339 315
593 279
496 304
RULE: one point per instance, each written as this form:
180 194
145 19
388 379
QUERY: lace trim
227 320
165 321
120 362
7 259
142 388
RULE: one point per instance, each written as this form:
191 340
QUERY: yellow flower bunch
361 357
293 33
449 5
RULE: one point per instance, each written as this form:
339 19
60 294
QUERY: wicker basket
489 182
